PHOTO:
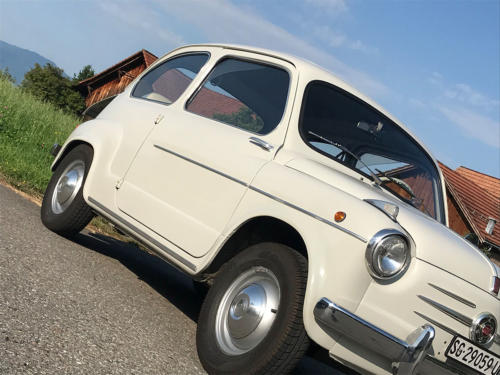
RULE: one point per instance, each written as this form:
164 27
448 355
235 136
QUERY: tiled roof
476 203
485 181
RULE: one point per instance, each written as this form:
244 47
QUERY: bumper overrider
54 150
405 356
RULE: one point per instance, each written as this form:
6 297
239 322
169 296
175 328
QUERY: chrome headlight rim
476 324
372 245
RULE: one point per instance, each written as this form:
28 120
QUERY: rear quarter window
167 82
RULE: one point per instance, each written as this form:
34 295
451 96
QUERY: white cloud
222 21
360 46
473 124
142 18
330 37
462 93
329 5
414 102
466 94
468 109
335 39
435 79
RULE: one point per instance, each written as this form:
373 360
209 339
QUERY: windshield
369 142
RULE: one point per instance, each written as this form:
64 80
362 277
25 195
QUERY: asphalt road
93 305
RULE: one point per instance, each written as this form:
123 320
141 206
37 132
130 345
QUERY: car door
196 164
139 108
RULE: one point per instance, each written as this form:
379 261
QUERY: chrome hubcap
67 186
247 311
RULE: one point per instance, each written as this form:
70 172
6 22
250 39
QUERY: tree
5 75
49 84
245 118
86 72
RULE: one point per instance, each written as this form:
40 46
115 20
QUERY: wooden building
113 80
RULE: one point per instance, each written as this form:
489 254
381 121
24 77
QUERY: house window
490 225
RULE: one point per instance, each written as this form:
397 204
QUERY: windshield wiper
398 182
414 201
345 149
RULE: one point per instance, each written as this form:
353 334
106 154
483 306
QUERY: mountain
19 60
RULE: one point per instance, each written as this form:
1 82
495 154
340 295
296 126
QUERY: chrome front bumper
405 356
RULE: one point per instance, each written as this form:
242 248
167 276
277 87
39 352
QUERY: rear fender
104 137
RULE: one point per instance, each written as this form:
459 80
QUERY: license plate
481 360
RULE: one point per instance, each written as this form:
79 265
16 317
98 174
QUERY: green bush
48 83
28 129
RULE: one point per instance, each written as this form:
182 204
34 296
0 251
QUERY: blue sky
435 65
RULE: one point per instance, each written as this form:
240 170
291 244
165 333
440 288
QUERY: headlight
388 254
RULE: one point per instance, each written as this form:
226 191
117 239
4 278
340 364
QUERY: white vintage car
311 212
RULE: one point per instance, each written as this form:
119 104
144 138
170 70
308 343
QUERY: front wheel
251 320
64 210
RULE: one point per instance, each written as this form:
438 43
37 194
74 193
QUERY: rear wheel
251 320
201 288
64 210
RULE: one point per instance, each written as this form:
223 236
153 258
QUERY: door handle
261 143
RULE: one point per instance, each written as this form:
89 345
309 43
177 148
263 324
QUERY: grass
28 129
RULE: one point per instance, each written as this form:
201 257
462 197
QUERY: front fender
336 254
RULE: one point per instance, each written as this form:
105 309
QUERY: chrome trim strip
405 356
114 217
453 295
448 272
201 165
328 222
450 312
492 287
291 205
380 205
437 324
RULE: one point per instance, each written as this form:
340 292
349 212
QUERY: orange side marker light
339 216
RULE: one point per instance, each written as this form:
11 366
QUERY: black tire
201 288
286 341
78 214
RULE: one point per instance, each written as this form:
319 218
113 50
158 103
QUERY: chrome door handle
261 143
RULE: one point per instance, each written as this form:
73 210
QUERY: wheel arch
256 230
67 149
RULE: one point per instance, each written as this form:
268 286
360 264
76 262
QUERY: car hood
434 243
443 248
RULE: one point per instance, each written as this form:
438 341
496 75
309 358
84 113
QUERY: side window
244 94
167 82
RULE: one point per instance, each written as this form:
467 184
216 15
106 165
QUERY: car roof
301 63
